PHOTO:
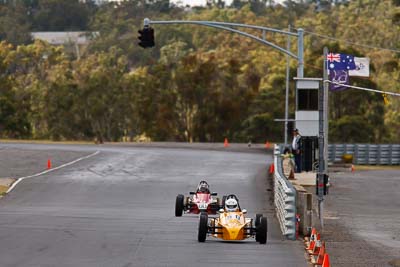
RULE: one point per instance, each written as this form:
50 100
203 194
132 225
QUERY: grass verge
376 167
46 142
3 190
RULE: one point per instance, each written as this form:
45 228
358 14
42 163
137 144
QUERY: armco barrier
367 154
284 198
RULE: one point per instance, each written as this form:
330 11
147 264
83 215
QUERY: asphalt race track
117 209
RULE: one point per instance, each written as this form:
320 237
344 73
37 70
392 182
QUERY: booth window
307 99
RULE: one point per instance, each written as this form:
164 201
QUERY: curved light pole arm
218 25
254 38
201 22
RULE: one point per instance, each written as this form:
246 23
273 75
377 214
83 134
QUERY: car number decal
233 216
202 205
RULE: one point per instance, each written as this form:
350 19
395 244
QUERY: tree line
197 83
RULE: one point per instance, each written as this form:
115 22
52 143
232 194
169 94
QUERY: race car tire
258 219
179 205
203 227
262 229
257 223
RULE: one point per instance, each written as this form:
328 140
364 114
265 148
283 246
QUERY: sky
203 2
195 2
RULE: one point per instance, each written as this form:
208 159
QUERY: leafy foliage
197 83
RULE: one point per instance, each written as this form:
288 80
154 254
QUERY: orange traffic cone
325 262
352 168
48 164
267 145
271 168
313 234
317 248
312 237
226 144
321 255
311 246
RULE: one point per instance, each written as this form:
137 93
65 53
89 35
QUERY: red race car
200 201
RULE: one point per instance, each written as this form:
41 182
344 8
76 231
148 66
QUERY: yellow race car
232 224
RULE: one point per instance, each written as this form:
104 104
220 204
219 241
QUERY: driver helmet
203 187
231 205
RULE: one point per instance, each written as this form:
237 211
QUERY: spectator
288 163
296 149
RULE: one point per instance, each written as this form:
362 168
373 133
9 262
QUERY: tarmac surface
117 208
362 218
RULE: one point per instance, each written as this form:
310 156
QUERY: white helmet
231 204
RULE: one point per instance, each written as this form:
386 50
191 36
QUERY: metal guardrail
366 154
284 198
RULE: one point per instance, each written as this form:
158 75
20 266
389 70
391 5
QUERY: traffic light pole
287 91
227 26
321 183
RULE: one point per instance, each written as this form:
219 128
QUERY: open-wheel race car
200 201
232 224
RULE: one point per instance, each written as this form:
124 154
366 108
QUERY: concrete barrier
304 210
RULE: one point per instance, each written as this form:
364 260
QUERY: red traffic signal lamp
324 185
146 37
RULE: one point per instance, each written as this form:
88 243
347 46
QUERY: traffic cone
321 255
325 262
352 168
271 168
311 246
48 164
317 248
267 145
313 236
226 144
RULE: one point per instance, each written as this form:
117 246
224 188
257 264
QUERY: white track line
50 170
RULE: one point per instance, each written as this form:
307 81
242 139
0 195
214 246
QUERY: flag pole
326 114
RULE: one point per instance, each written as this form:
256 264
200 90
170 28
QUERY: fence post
355 154
379 155
334 152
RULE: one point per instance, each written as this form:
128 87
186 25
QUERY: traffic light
325 185
146 37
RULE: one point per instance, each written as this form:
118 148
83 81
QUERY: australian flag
338 66
340 62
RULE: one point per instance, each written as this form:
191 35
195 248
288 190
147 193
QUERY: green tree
13 112
14 24
61 15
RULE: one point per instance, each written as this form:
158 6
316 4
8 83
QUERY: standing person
296 149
